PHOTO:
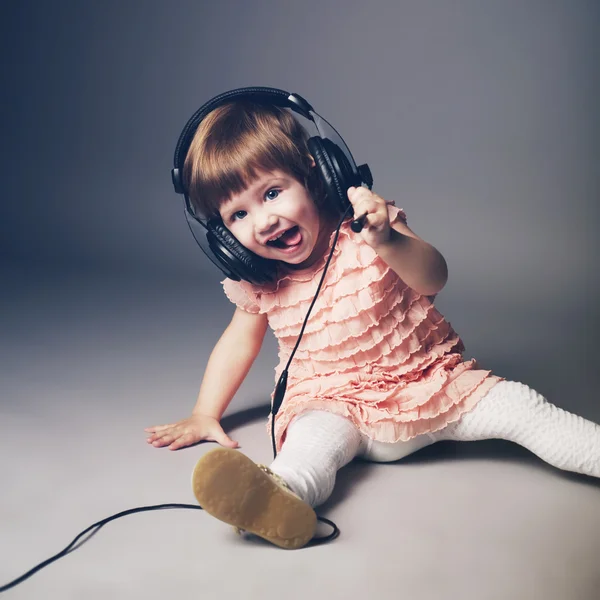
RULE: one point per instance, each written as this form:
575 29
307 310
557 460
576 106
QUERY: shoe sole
232 488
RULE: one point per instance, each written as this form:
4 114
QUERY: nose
265 222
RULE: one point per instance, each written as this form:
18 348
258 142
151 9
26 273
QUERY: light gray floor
87 363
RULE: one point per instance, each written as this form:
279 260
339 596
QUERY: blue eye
272 194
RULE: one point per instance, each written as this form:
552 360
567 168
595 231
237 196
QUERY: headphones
333 161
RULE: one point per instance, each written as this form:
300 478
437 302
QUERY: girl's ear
312 161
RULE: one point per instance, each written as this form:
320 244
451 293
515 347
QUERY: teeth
276 238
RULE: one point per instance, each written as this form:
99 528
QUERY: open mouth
292 237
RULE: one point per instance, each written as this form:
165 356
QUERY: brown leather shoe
234 489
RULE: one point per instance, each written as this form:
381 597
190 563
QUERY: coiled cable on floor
93 529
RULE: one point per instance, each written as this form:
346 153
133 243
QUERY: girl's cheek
235 229
243 237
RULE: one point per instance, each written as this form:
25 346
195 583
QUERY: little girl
379 373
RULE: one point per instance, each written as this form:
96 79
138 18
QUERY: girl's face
276 218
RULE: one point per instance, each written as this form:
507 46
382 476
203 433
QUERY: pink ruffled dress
374 350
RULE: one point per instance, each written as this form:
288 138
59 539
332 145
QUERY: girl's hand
376 226
189 431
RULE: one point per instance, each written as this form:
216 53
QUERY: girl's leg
515 412
317 445
391 451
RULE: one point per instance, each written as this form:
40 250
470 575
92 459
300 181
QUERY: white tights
319 443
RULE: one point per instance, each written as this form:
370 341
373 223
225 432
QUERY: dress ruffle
373 350
241 294
387 409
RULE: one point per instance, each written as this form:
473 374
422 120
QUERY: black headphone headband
332 157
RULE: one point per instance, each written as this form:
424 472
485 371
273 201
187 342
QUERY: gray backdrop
478 117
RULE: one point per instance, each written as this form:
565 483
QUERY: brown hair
236 140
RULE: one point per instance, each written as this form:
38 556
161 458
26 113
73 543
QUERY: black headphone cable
282 383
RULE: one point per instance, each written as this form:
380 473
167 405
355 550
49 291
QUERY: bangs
233 144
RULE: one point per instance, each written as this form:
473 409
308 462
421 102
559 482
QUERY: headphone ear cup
334 169
237 258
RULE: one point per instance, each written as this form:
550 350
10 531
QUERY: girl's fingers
156 428
163 440
183 440
178 443
162 437
154 437
362 209
358 195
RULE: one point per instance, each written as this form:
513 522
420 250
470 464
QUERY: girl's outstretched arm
421 266
230 361
227 367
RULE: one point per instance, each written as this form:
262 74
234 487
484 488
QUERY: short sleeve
395 213
241 294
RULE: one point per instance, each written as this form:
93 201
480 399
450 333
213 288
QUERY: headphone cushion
245 264
333 183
